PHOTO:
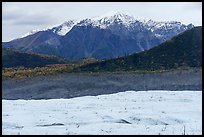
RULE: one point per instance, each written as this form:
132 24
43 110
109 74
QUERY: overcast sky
18 18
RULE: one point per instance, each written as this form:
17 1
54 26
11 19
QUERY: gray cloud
195 6
18 17
33 20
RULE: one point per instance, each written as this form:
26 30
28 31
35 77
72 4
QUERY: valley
70 85
110 74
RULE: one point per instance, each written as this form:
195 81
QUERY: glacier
128 113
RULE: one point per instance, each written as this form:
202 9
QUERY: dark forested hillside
183 50
13 58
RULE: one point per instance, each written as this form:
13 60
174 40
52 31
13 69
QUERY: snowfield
130 112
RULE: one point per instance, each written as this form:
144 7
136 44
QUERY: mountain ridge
124 30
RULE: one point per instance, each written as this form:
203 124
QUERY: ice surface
130 112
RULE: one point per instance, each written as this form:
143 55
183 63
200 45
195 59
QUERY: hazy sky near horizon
18 18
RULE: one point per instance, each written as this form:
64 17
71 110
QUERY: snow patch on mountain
64 28
106 20
153 25
61 29
129 21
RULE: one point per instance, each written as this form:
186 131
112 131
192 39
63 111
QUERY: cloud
33 20
26 19
16 15
193 6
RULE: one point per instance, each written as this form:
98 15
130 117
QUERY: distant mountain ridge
183 50
103 37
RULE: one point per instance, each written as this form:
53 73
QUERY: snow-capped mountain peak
107 19
111 20
118 18
64 28
114 15
120 33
